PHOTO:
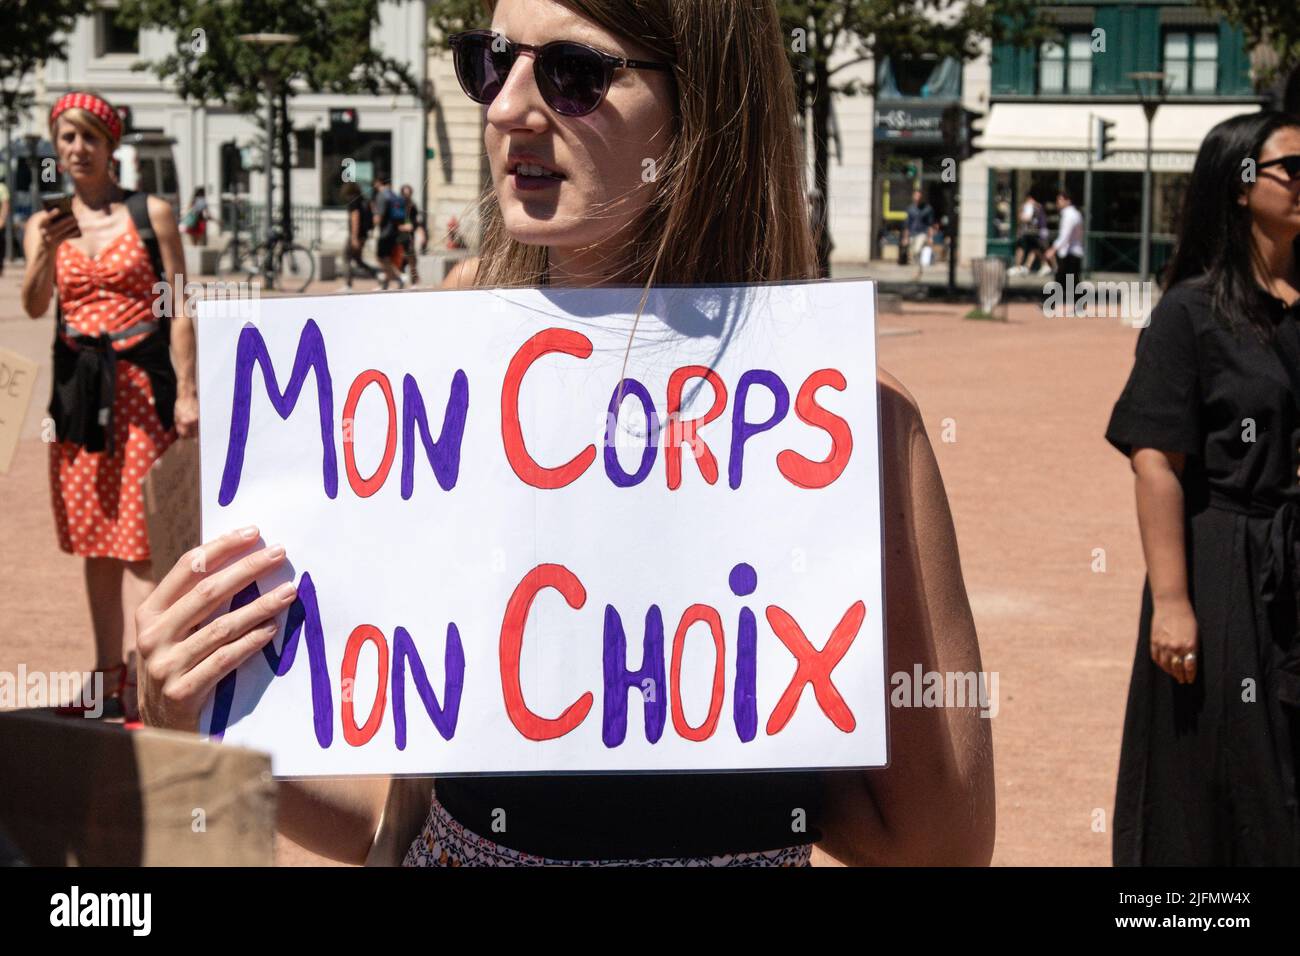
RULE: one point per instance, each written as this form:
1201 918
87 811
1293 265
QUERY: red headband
93 105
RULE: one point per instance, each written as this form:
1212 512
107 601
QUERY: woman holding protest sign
123 374
647 144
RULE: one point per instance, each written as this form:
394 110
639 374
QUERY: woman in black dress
1209 418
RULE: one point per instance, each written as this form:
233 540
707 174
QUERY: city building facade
215 147
1038 133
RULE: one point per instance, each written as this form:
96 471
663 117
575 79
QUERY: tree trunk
286 165
821 123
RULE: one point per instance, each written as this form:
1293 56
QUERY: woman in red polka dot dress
124 377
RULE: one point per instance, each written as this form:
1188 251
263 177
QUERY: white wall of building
455 170
851 165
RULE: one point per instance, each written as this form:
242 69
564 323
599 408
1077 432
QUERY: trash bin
990 282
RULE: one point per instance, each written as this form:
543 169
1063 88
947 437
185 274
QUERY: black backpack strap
137 203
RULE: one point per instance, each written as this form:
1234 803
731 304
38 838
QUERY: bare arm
40 243
935 803
1160 521
333 818
182 330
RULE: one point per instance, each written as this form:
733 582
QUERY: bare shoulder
899 413
463 275
161 213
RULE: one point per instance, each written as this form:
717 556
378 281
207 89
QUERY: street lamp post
1151 90
266 42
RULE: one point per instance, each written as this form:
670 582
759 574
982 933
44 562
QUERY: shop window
1066 67
352 156
1191 61
234 177
304 149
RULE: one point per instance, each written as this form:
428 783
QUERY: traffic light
969 133
1103 139
950 128
958 128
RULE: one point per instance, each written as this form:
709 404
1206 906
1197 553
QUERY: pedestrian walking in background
1032 239
414 237
195 221
1209 420
119 399
917 229
361 218
1067 251
390 216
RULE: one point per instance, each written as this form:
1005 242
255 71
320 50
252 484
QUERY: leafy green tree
1270 25
33 31
211 64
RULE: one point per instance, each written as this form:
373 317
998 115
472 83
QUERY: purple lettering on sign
304 613
443 715
741 430
650 680
251 351
443 454
620 478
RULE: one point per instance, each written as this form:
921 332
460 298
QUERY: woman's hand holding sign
181 661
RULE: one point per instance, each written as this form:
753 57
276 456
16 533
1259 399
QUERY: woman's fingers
193 565
214 589
226 629
1176 669
188 691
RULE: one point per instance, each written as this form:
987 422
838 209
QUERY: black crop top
636 815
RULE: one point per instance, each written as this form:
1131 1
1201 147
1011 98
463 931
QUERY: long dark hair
1214 246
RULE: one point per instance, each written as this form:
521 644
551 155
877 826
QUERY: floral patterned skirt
444 842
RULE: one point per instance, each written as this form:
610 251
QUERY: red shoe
114 685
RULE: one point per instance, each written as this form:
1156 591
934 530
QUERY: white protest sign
486 584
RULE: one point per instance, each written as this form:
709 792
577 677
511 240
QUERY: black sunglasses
1290 163
571 77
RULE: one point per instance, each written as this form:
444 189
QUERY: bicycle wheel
295 267
250 264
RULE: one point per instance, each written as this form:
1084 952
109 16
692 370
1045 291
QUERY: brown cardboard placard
86 792
171 504
17 381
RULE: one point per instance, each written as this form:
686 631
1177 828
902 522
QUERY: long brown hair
729 204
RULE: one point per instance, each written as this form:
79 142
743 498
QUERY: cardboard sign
531 534
171 505
92 793
17 379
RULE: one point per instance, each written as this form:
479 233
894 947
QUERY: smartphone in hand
60 201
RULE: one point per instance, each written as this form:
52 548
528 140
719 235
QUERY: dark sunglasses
571 77
1290 163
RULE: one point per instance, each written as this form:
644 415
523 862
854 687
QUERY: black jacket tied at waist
85 381
1279 588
